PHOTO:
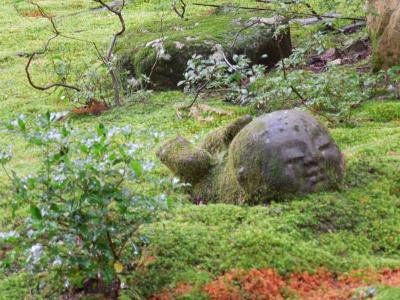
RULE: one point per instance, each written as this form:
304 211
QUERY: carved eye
324 146
293 155
323 143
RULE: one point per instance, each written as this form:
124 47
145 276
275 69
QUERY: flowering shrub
84 210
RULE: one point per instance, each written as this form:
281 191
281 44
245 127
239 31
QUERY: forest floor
310 247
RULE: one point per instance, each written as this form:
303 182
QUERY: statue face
286 152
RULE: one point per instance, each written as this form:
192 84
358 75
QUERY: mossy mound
165 59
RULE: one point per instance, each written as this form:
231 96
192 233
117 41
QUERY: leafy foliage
216 74
84 210
335 93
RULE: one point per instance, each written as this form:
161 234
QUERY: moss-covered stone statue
274 156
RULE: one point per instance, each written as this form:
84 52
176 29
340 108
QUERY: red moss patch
263 284
390 277
266 284
323 285
94 107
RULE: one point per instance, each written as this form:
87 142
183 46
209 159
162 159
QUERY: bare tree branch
109 56
56 33
274 10
181 13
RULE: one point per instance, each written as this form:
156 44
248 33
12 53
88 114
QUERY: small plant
234 79
84 211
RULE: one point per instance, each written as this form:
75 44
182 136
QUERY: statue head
285 152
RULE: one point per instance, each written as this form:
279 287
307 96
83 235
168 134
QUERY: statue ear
233 129
218 140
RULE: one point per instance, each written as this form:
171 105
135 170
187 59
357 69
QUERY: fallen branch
352 27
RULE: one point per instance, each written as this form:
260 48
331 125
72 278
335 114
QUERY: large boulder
275 156
384 27
165 60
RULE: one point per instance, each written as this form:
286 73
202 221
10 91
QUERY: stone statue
277 155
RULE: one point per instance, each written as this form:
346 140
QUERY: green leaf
21 124
137 167
101 130
48 116
35 212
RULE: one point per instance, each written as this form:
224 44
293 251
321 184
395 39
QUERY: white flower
132 148
175 181
9 234
67 284
148 166
58 115
35 253
53 135
57 261
126 130
133 82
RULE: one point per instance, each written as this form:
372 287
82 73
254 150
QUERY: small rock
191 38
179 45
335 62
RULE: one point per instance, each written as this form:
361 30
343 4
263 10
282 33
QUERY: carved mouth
315 176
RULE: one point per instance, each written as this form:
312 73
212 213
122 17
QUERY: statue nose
312 157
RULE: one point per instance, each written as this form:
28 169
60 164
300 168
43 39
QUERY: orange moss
33 14
322 285
262 284
94 107
266 284
390 277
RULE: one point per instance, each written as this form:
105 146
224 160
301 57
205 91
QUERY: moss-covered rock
165 59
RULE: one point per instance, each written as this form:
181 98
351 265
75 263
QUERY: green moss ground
356 227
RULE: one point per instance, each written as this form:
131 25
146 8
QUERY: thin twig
303 100
274 10
112 247
56 34
5 171
108 58
241 30
153 67
200 89
181 13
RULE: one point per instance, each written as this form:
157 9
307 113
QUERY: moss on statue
189 163
277 155
219 139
